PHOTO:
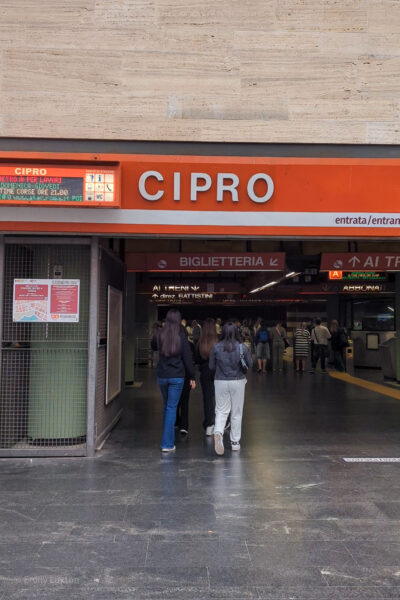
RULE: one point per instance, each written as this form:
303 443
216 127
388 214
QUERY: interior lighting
391 308
259 289
291 274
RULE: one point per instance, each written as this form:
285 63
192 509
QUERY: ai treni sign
227 196
360 261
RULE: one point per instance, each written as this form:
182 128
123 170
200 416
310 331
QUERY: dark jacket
227 364
203 363
171 367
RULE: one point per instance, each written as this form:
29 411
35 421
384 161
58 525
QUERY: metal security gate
44 366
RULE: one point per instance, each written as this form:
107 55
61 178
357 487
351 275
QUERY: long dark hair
230 336
169 337
208 338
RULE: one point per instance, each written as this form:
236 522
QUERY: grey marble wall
210 70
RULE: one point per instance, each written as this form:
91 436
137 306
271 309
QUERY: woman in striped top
301 346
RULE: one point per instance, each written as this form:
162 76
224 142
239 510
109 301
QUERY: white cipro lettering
195 187
142 186
177 186
250 187
30 171
227 187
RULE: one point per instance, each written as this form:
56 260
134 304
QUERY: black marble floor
285 518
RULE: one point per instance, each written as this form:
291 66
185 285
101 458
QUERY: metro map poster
46 301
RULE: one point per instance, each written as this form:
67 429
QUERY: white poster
46 300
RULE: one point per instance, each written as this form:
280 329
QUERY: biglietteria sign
208 196
235 261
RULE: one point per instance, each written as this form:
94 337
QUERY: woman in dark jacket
175 360
207 341
229 382
339 343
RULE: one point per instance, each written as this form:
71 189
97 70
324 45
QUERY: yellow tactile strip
368 385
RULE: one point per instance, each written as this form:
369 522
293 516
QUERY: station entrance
127 285
94 249
44 410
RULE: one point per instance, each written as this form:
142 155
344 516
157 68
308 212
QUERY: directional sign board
231 261
361 262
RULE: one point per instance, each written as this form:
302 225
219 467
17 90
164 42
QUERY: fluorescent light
291 274
263 287
391 308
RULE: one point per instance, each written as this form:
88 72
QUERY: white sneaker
235 445
210 430
218 444
168 449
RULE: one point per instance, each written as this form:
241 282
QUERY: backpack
263 336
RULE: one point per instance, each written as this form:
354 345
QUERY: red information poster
46 300
64 300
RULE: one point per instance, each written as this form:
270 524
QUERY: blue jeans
171 390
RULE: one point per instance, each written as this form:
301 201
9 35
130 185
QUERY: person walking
278 346
339 342
182 411
175 359
320 336
196 331
256 326
229 382
263 352
207 341
245 333
301 346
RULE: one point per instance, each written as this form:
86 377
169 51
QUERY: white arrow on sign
273 262
354 260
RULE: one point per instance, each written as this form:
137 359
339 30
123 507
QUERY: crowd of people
224 353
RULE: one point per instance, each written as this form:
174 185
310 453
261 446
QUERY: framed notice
372 341
60 185
114 344
46 300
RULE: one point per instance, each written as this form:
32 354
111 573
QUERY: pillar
130 315
397 321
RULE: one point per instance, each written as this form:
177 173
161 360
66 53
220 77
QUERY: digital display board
59 185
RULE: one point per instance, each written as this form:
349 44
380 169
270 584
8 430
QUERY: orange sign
335 274
225 196
360 261
50 185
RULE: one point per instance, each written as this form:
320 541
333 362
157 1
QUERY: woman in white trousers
229 381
